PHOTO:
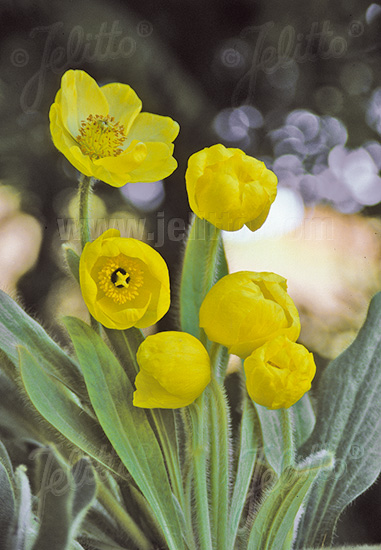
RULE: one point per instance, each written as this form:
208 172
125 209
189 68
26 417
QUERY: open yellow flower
174 371
101 131
245 309
279 373
124 282
229 188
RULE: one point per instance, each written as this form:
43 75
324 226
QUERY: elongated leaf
348 422
5 461
304 419
274 524
272 442
56 498
18 329
20 538
72 260
271 427
7 505
366 547
84 492
49 397
125 344
126 426
204 264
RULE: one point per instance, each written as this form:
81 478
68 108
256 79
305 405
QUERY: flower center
100 136
120 279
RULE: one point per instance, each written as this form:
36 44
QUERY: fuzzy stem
288 438
84 191
199 448
219 462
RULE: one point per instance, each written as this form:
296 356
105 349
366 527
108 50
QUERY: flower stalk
199 454
84 191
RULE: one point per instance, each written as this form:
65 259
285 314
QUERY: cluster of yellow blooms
125 282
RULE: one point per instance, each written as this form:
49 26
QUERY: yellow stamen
120 279
100 136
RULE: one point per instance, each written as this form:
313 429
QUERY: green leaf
7 503
366 547
126 426
274 524
204 264
271 428
84 492
22 531
72 260
348 423
50 398
18 329
304 419
5 461
55 504
125 343
65 496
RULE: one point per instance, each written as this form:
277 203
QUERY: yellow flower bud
102 132
174 371
279 373
229 188
124 282
245 309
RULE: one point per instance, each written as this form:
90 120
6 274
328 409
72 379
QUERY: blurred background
297 85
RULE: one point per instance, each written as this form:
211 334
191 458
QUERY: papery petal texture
102 132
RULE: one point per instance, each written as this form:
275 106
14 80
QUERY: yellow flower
124 282
245 309
229 188
279 373
101 131
174 371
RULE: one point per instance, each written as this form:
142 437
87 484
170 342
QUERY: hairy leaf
348 423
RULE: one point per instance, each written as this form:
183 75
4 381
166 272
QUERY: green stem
84 191
219 463
184 426
288 438
199 446
219 358
122 517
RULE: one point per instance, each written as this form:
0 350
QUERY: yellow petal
148 127
150 394
229 188
243 310
279 373
116 170
80 97
174 370
143 302
124 104
157 165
